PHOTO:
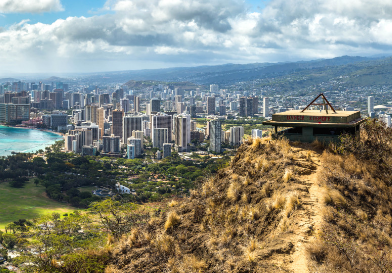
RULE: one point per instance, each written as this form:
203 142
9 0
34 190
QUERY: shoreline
52 138
33 128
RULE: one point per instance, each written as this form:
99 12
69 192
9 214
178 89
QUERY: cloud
30 6
160 33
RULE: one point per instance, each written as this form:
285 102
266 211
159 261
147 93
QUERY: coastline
32 146
33 128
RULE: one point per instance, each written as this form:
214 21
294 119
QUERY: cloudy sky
105 35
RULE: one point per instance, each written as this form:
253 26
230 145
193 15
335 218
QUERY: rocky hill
279 207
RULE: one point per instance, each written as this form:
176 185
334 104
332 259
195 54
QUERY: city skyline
65 36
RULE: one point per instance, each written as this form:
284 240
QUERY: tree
118 218
18 182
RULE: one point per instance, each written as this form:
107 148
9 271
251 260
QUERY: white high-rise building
214 88
266 107
256 133
236 135
386 119
370 105
215 136
182 131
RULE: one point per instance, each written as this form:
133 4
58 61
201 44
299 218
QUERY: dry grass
288 174
173 203
293 202
278 201
333 197
195 264
172 220
164 244
233 191
256 143
317 251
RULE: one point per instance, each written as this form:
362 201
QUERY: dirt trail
309 219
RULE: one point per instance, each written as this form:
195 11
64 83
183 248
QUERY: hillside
278 207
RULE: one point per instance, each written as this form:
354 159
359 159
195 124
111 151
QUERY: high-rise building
242 112
124 105
236 135
162 121
137 104
266 107
58 98
155 105
222 110
256 133
215 136
211 106
14 113
233 106
131 151
117 123
178 98
111 144
138 134
130 124
182 131
137 142
370 105
167 149
159 136
100 119
178 92
255 106
214 88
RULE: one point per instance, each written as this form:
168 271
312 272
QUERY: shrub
172 220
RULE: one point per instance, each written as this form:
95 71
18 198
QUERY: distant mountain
228 74
222 74
4 80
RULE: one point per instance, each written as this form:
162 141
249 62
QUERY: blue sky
72 8
86 8
59 36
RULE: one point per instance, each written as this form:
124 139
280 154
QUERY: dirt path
309 219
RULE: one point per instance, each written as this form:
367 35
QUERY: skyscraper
162 121
137 143
155 105
266 107
117 123
111 144
211 106
370 105
182 131
130 124
137 104
159 136
214 88
242 112
236 135
124 105
215 136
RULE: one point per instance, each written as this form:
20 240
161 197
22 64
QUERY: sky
68 36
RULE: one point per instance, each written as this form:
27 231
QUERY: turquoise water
24 140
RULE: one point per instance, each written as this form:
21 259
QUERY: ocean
24 140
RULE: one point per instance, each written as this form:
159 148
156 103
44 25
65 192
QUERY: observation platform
323 125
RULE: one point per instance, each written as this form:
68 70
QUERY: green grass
27 203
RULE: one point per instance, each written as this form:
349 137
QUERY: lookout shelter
325 124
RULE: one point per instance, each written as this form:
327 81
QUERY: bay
24 140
